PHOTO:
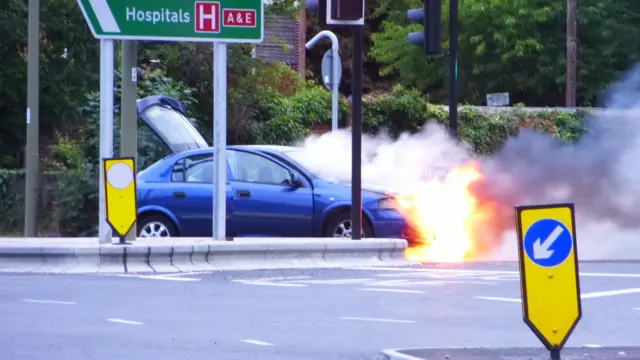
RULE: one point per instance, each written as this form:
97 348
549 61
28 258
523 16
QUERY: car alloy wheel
343 229
154 229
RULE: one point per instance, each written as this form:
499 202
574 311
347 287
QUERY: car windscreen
299 157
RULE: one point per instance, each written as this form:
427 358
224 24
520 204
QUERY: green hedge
279 116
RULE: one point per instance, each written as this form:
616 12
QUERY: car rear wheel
154 226
340 226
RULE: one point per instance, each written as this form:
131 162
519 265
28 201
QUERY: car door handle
179 195
243 193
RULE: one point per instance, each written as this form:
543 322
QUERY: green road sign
235 21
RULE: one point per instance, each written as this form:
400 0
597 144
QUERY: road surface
295 314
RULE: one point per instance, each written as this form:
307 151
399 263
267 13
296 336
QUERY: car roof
279 148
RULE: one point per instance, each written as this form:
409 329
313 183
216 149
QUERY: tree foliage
515 46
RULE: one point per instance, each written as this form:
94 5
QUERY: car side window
197 168
254 168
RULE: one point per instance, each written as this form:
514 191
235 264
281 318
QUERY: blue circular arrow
548 242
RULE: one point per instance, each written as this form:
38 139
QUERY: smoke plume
600 173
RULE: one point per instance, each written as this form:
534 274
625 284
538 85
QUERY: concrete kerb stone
181 258
41 259
237 255
160 258
361 251
112 259
199 257
296 253
88 259
136 258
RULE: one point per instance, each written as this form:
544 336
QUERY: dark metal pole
129 110
555 354
356 135
453 67
32 155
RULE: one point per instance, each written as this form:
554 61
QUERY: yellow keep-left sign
549 280
120 194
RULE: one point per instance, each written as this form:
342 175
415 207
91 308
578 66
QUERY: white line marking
498 298
122 321
636 308
461 271
378 320
610 293
187 273
283 278
592 345
334 281
266 283
392 290
49 302
582 296
160 277
257 342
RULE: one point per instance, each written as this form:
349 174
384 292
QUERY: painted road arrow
234 21
541 250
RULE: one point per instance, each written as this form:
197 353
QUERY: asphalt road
301 314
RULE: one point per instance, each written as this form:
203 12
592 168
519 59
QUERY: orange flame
448 217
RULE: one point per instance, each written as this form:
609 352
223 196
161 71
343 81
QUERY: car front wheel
340 226
154 226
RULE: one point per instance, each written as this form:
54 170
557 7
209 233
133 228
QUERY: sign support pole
356 135
32 156
453 68
335 72
106 129
129 110
219 140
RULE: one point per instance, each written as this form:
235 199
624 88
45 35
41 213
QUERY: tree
516 47
69 61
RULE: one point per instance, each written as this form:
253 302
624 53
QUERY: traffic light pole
356 134
453 68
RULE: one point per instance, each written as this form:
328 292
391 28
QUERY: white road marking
284 278
267 283
334 281
498 298
122 321
188 273
392 290
610 293
378 320
489 272
166 278
592 345
49 302
636 308
582 296
257 342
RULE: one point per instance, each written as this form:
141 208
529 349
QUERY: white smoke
401 164
600 174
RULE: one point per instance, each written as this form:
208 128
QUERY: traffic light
337 12
430 17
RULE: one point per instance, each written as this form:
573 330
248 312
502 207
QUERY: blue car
269 192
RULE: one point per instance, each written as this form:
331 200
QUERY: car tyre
339 225
156 225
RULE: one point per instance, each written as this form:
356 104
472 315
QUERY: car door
192 193
264 201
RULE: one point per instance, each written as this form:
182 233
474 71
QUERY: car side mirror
296 180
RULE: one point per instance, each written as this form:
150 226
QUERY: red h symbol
207 16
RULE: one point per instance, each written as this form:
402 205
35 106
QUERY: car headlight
387 204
